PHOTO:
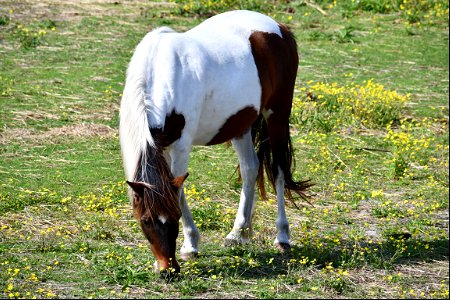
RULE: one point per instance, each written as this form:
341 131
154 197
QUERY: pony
232 78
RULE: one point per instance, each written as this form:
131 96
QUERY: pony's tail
271 163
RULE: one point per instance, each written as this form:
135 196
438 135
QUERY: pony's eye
136 201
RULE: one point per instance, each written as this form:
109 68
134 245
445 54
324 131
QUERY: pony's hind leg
248 162
282 156
282 240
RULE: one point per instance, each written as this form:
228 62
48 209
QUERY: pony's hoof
237 238
188 256
231 242
283 247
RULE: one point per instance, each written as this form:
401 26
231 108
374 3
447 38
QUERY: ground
369 126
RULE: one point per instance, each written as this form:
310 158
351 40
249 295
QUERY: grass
369 125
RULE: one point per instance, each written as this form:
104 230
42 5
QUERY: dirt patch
37 115
81 130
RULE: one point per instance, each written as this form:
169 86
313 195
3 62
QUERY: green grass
378 227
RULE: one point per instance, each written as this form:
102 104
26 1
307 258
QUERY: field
369 126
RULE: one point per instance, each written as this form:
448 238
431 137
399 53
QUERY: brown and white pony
230 78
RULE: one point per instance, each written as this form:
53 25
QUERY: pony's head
158 211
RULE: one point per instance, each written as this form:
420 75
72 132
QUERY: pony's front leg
179 158
248 162
189 249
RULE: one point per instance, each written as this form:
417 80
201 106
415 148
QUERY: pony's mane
142 156
134 125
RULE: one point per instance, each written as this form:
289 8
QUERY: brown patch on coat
173 127
276 59
235 126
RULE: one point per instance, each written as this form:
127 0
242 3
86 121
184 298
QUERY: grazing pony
230 78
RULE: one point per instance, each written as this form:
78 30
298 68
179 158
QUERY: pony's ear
178 181
139 187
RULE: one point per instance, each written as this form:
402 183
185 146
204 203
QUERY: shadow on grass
236 265
250 261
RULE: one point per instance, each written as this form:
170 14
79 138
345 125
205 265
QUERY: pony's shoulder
162 29
235 15
157 32
240 22
149 41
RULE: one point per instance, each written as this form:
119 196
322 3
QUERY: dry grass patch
71 10
15 135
